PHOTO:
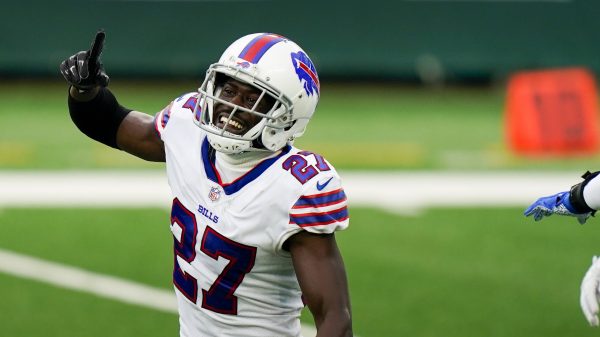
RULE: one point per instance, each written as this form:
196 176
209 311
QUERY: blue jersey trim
208 159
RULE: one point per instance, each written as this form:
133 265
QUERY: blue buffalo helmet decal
306 72
244 64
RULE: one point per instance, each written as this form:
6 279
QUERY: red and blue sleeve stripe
321 200
157 118
166 116
161 119
259 46
320 219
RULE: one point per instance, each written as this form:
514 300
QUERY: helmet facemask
279 70
221 132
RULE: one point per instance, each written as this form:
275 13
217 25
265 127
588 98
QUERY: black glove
84 70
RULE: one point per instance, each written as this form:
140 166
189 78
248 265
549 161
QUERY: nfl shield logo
214 194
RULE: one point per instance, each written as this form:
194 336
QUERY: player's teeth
232 123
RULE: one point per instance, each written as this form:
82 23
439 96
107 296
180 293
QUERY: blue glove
555 204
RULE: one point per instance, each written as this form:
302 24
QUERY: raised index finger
96 48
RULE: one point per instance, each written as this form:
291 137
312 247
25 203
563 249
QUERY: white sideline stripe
77 279
403 191
111 287
84 189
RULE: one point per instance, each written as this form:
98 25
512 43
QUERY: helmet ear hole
287 128
273 140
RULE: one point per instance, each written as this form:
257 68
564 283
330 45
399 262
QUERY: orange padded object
552 112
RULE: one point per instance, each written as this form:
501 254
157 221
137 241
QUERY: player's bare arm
96 112
136 135
322 277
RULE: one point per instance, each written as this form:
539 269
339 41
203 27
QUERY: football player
581 202
253 217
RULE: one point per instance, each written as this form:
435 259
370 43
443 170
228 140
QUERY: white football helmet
278 68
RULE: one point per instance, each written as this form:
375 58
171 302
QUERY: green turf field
356 126
448 272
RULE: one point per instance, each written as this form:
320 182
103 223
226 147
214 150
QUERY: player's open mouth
234 125
231 122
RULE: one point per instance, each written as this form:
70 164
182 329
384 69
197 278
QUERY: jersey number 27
220 296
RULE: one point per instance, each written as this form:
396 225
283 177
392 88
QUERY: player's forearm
137 136
97 114
335 323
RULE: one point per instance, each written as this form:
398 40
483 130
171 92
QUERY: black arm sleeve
576 195
99 118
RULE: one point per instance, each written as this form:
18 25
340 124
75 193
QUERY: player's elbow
336 323
345 319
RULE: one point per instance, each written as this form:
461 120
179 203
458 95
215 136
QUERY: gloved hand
589 292
555 204
84 70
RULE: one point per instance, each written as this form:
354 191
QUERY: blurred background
416 95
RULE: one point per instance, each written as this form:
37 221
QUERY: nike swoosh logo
320 186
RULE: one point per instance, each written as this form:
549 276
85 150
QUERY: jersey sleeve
182 107
318 205
323 208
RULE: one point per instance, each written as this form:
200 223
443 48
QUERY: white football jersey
231 275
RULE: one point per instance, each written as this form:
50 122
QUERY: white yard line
72 278
395 191
403 192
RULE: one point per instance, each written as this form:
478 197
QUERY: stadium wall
429 40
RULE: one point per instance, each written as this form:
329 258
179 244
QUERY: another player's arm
96 112
322 277
581 201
